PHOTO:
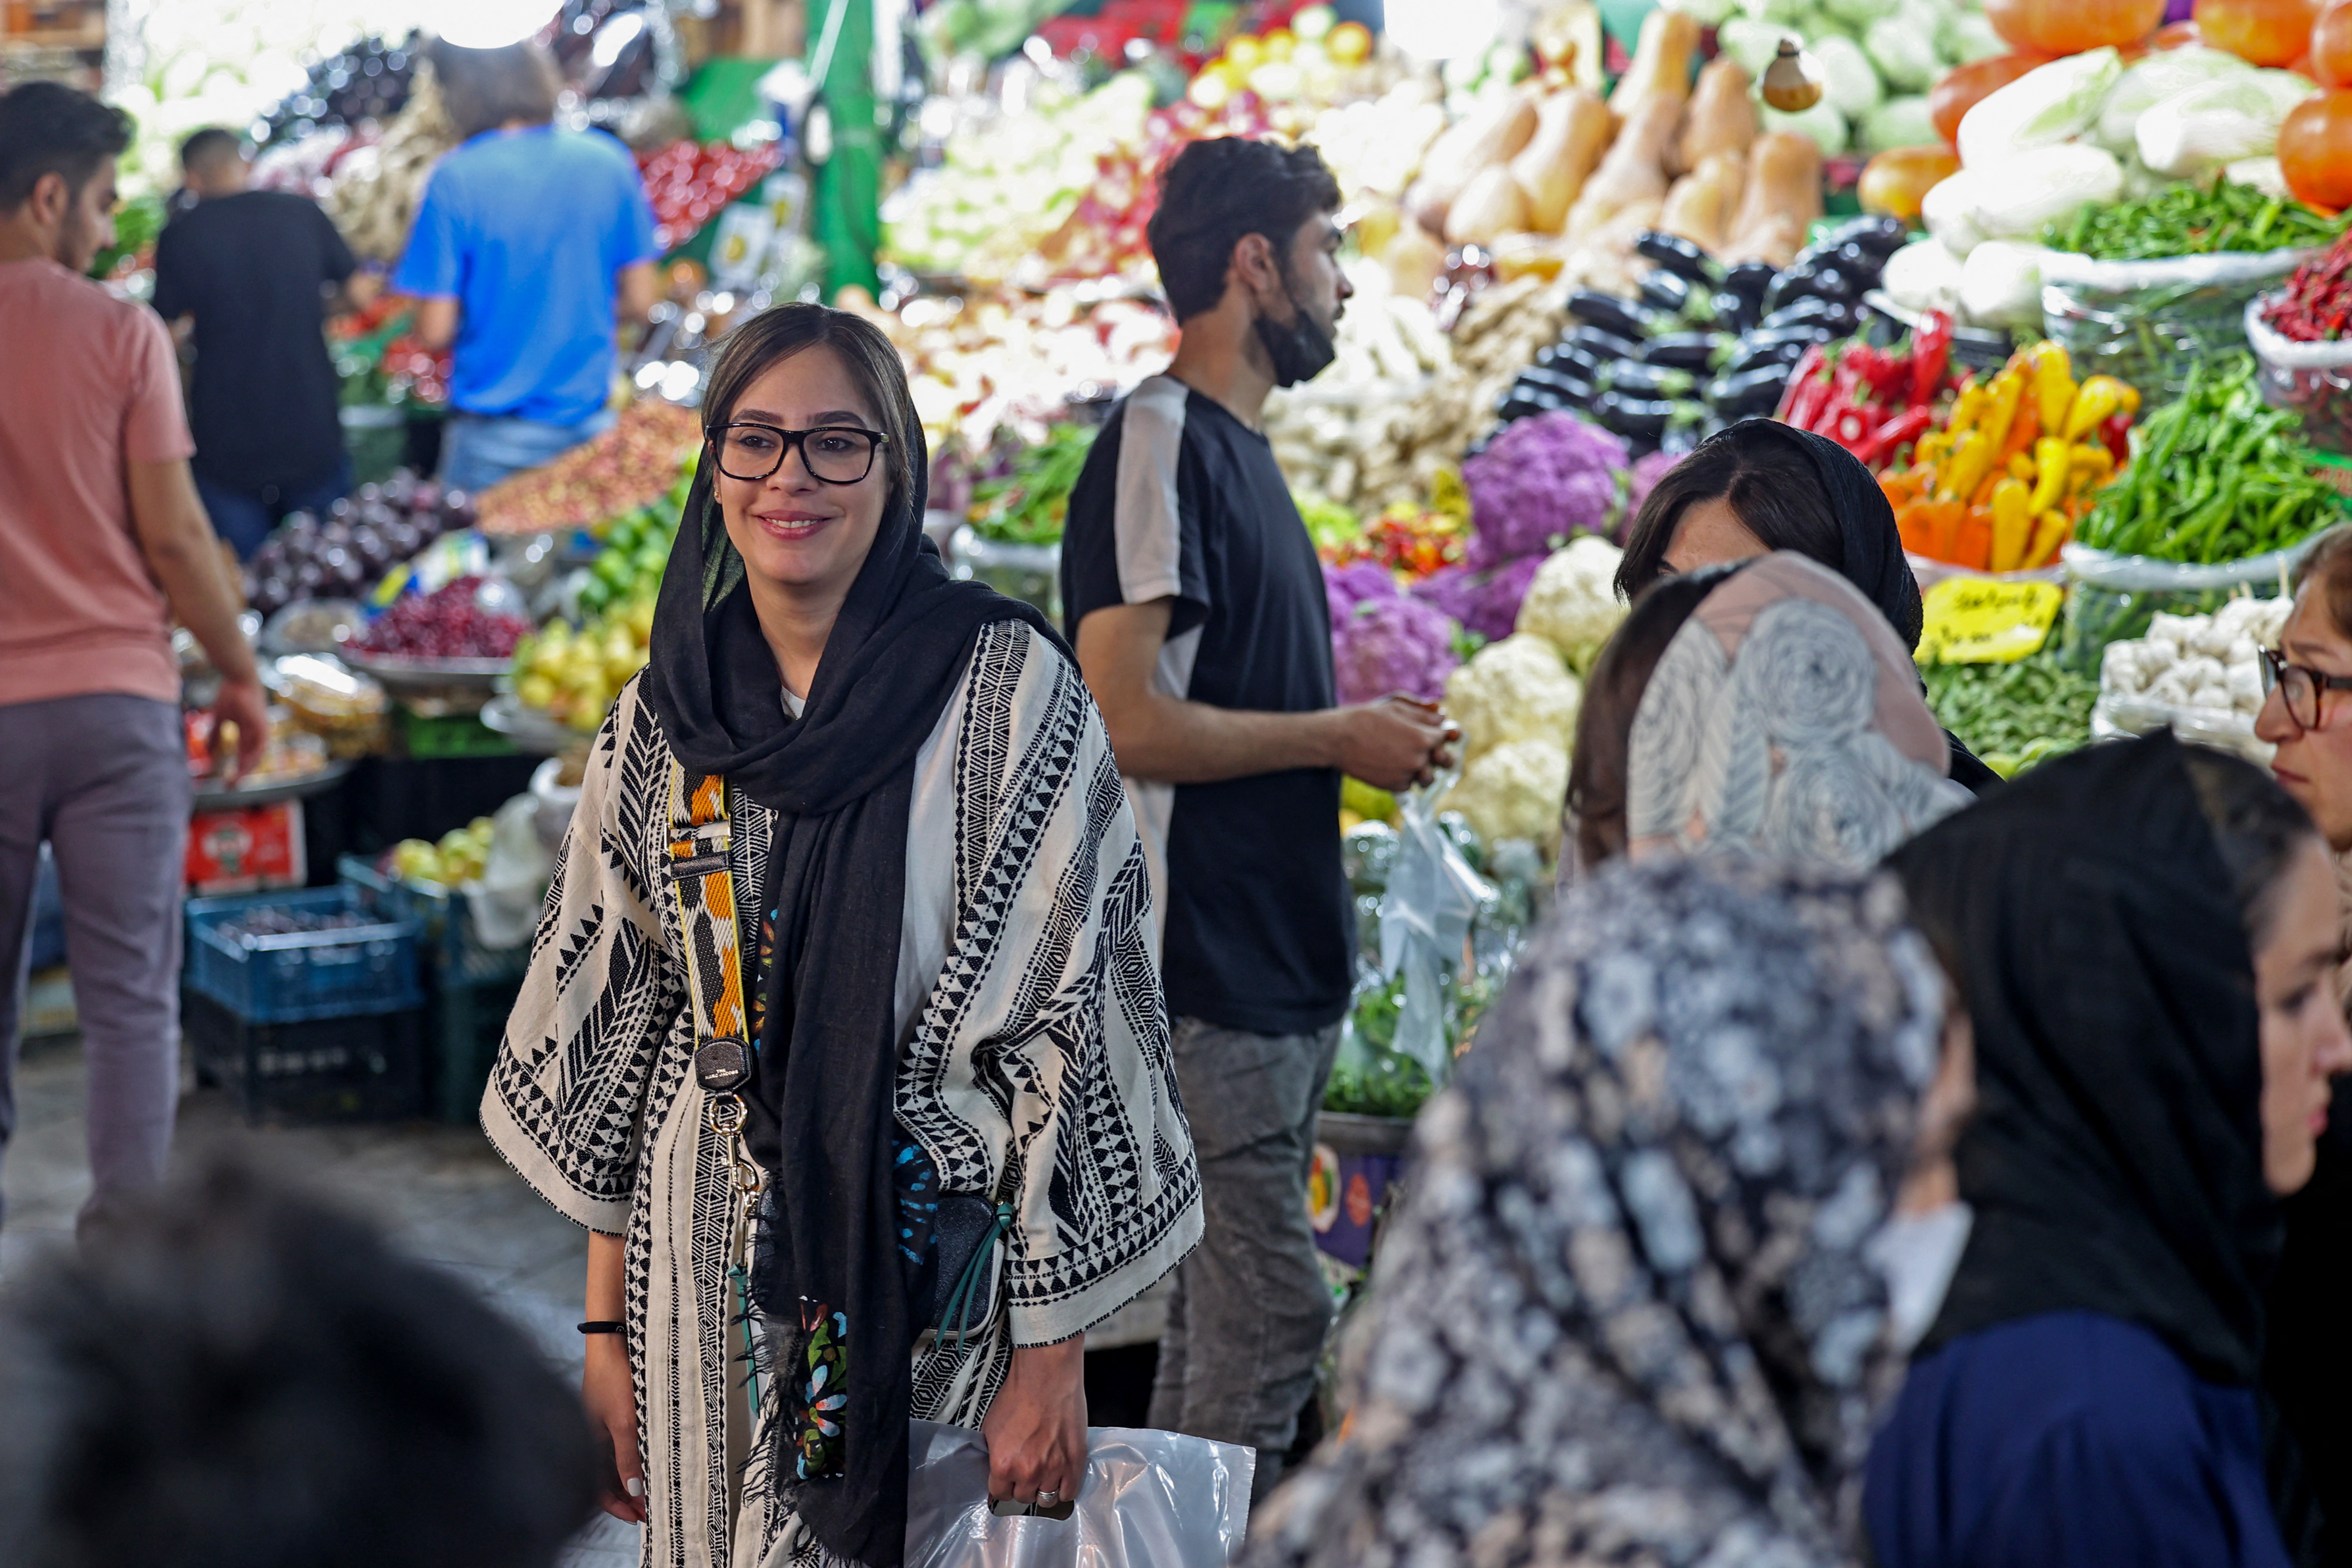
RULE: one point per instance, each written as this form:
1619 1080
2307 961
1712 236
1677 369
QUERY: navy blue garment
2068 1440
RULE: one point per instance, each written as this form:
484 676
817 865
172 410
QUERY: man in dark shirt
257 270
1197 606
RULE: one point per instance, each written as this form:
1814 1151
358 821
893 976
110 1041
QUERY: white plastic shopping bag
1150 1499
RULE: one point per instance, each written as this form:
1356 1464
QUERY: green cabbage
1904 52
1851 82
1822 122
2047 105
1898 122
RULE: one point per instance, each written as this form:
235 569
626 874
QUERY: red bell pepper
1899 431
2115 434
1931 355
1808 390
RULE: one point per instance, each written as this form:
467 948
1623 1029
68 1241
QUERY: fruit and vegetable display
689 182
2017 463
267 921
2193 220
362 536
378 187
636 463
2217 476
2209 664
1541 483
1384 640
1408 541
1875 403
450 622
1703 344
1026 503
458 858
572 676
2016 714
636 551
2302 357
370 81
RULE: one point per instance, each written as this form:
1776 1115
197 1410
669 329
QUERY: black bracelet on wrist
601 1328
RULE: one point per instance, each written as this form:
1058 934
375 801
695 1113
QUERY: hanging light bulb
1442 29
1794 82
491 24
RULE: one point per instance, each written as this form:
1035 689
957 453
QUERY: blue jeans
244 518
478 450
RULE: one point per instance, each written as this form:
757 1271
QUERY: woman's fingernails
636 1486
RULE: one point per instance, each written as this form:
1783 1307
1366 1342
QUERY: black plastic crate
366 1068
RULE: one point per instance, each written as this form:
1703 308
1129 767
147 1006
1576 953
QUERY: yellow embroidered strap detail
704 888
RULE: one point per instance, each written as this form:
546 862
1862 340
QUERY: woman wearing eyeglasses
931 902
2307 716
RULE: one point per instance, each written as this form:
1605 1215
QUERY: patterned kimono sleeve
1051 1004
567 1094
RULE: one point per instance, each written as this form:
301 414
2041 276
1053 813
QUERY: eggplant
1750 393
1515 405
1752 280
1684 351
1579 364
1668 291
1620 318
1637 418
1602 345
1882 236
1677 254
1649 380
1573 391
1774 345
1840 318
1734 312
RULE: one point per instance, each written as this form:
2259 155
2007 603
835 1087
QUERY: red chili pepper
1901 430
1931 355
2115 435
1808 390
1845 398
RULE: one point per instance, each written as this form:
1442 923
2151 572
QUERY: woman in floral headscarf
1632 1312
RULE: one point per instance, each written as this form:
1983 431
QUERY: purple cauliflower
1392 644
1484 600
1542 479
1347 587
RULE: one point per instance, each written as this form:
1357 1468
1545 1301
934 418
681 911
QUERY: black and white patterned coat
1035 1063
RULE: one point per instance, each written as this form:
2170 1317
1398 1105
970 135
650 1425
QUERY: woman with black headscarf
940 993
1763 485
2143 937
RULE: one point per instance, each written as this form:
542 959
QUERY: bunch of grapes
449 623
272 921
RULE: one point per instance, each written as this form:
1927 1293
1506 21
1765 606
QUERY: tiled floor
442 1191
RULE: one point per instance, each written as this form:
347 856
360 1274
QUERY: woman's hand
608 1389
610 1393
1037 1429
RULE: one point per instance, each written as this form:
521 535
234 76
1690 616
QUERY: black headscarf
840 779
2114 1161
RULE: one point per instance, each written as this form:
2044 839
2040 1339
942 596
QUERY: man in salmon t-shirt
100 536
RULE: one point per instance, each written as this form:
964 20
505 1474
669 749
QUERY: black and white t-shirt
1181 499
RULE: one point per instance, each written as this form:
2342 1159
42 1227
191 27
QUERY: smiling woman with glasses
845 997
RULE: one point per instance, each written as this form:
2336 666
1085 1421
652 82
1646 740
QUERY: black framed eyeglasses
833 454
2299 686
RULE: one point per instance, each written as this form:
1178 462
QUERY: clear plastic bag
1433 897
2314 379
1150 1499
2147 322
506 902
2111 597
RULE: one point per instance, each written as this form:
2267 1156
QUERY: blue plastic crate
445 922
351 971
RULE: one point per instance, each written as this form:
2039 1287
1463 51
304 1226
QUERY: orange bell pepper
1915 521
2051 530
2024 431
1972 546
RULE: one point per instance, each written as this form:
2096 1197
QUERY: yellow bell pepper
2013 524
2007 391
2051 530
2019 466
1971 457
1967 406
2090 467
2094 401
2051 462
2053 384
1930 450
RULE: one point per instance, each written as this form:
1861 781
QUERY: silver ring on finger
1047 1500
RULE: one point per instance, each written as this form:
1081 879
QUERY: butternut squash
1722 117
1661 65
1490 206
1635 168
1491 135
1572 130
1782 199
1416 260
1700 205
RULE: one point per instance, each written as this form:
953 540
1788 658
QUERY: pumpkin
2267 32
2315 149
1894 182
1963 86
2070 27
2331 45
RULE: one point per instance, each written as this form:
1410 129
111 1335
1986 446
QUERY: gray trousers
1246 1321
104 778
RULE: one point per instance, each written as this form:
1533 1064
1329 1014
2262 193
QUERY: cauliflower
1644 476
1518 790
1515 689
1572 604
1392 643
1542 479
1486 602
1345 587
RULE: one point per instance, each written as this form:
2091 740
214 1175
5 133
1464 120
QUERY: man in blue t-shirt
529 241
1197 606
